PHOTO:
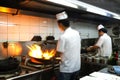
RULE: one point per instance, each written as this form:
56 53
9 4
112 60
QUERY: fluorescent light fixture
64 2
8 10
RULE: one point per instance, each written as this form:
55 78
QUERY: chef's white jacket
70 45
105 46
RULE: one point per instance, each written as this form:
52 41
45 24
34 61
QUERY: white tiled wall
25 27
86 30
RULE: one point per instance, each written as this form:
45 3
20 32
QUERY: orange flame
36 52
48 54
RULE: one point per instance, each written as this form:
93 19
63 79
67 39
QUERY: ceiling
42 6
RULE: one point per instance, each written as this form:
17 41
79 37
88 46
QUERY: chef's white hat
61 16
100 26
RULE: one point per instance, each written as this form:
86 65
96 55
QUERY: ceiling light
8 10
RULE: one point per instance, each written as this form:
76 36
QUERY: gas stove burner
10 73
39 64
32 64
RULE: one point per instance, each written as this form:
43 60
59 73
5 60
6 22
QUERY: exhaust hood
76 9
97 10
86 12
86 7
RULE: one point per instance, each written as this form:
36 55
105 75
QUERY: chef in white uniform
104 43
69 46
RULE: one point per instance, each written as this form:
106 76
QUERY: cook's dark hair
65 22
103 30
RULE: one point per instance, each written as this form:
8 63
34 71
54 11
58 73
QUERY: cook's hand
89 48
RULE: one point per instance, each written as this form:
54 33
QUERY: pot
50 38
9 64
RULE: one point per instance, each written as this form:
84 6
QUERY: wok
42 60
9 64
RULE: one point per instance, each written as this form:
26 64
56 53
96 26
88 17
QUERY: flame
48 54
36 52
